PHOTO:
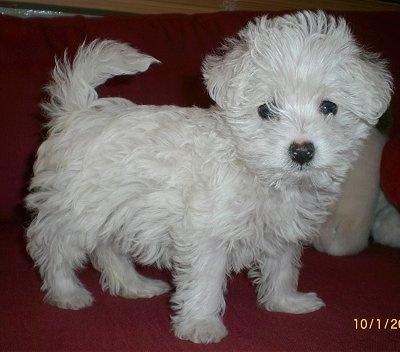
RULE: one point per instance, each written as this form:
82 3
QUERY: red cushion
364 288
390 171
27 51
28 47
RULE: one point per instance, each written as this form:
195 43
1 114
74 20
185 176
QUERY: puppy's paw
76 299
296 303
145 288
210 330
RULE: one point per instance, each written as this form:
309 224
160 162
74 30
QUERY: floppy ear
371 87
225 75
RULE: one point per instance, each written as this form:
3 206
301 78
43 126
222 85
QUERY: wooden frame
198 6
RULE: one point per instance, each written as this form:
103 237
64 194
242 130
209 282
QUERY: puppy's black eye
327 107
266 111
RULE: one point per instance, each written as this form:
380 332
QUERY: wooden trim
203 6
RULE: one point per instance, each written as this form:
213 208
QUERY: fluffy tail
73 83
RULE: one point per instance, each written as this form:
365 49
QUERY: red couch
362 293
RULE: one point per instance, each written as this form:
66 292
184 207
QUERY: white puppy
203 192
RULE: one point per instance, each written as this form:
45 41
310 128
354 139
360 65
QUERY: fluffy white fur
203 192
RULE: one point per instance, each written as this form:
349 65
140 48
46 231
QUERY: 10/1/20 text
377 324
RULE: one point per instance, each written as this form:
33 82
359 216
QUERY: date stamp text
377 323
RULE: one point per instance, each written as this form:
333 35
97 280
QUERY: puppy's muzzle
301 153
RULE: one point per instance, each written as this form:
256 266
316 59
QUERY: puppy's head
299 94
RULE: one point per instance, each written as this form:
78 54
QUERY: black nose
301 153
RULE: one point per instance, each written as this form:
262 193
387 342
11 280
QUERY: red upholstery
365 286
390 170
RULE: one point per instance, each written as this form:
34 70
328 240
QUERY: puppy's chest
275 219
290 217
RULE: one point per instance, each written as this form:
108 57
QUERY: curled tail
73 83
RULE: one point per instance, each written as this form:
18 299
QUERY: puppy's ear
225 75
371 86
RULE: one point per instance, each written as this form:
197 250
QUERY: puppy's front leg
200 280
277 278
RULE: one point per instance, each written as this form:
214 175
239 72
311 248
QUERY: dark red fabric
361 287
390 170
27 51
365 286
28 47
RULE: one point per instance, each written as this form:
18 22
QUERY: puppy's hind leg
277 278
57 260
119 276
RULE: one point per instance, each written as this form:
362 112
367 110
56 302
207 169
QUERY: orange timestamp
377 323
